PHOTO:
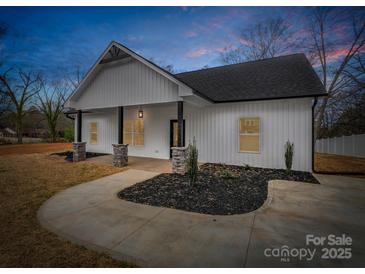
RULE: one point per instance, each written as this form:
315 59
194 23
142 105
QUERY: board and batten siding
156 129
125 84
106 120
216 130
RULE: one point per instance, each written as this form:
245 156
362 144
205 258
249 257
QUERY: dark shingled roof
280 77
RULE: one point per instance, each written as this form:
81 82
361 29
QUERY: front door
173 134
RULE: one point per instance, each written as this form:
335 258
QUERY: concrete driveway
92 215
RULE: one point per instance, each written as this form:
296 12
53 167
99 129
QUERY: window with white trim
93 133
249 134
133 132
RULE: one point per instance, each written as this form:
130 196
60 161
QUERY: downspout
313 129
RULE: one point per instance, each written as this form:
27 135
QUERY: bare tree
233 55
168 67
19 90
74 79
337 77
3 32
355 71
50 103
266 39
4 102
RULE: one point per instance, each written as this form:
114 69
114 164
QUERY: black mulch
68 155
219 190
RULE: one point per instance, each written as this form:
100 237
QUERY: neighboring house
239 114
7 132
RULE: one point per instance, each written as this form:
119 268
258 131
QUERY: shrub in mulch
69 155
219 189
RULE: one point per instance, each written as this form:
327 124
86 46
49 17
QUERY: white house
239 114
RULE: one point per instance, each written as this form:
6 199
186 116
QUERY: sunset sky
55 39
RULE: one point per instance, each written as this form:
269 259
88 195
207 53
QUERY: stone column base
120 155
79 151
179 155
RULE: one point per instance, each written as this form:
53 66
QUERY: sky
57 39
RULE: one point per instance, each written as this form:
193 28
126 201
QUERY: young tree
265 39
192 162
337 77
19 89
50 103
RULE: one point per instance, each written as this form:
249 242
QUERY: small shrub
289 153
247 167
69 134
192 162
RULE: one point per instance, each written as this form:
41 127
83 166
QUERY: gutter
313 129
73 111
69 117
67 114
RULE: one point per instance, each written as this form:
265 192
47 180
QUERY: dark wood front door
173 134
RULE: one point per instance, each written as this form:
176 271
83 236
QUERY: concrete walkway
92 215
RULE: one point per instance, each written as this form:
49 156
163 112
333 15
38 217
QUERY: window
133 132
128 132
249 134
93 133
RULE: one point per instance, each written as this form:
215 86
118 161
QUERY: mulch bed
69 154
219 190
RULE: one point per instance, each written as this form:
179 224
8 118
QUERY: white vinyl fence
353 145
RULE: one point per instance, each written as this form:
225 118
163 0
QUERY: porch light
140 113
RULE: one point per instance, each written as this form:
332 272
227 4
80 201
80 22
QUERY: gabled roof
281 77
116 51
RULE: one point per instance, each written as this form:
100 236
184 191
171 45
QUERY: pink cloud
335 54
195 53
244 41
190 34
338 53
221 49
198 52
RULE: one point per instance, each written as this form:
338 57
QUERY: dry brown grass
26 181
338 164
33 148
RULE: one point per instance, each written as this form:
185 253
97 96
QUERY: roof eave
273 98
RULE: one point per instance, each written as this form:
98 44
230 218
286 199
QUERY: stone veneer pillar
120 155
79 151
179 160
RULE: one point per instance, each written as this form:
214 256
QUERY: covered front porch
149 132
